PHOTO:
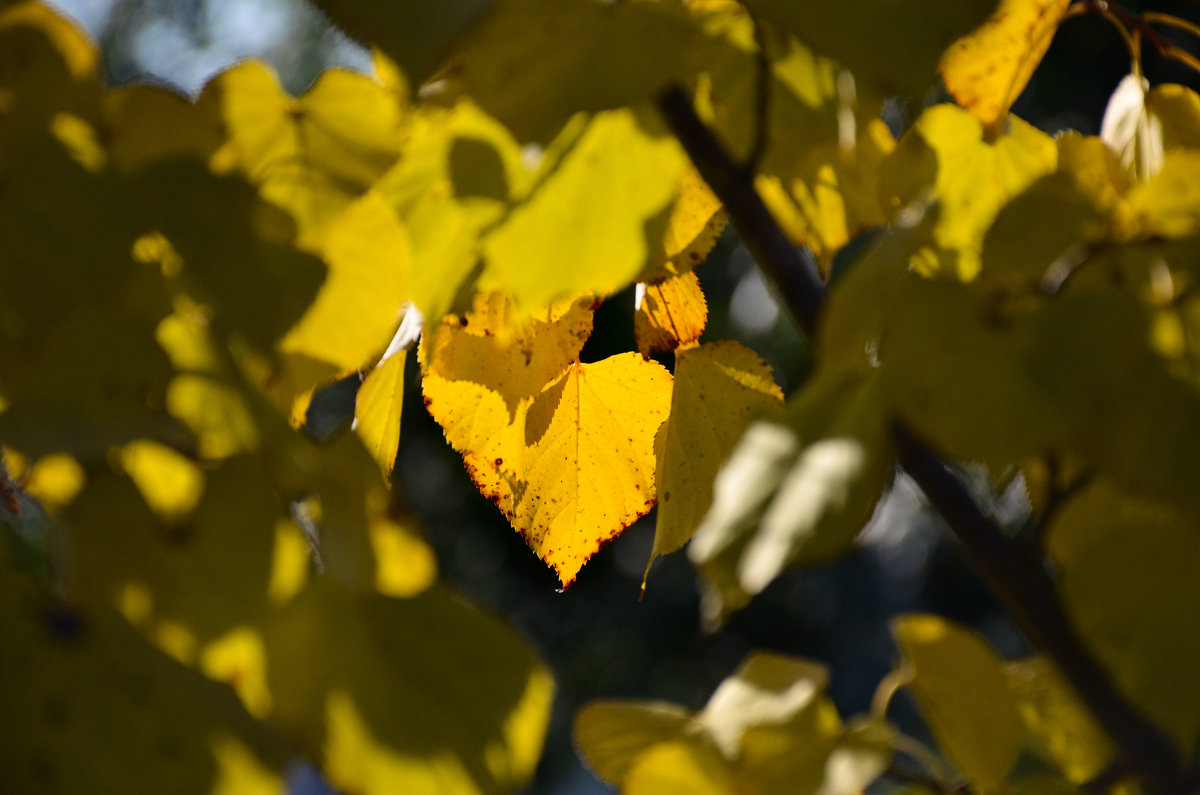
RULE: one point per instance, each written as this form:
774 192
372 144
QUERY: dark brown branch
797 282
1021 581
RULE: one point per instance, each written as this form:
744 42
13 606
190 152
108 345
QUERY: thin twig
1021 582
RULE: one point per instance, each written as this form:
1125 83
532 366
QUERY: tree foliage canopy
219 594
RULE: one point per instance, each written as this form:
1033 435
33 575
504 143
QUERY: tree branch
1020 580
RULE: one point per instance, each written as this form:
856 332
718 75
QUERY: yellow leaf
670 314
1060 728
404 564
975 178
1166 204
311 155
957 678
987 70
611 735
170 483
1177 109
591 225
459 172
534 63
679 768
391 700
588 459
696 221
377 410
719 388
358 306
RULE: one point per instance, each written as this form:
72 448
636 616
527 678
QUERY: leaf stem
1022 582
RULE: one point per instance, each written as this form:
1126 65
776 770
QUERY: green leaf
963 693
417 36
391 698
1059 727
912 33
594 221
91 707
1125 565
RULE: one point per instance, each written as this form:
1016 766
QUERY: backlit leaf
696 222
589 472
957 678
719 388
1131 130
377 410
975 178
313 154
669 314
986 71
591 225
565 450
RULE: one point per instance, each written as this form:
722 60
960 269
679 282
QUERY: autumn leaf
564 449
719 387
313 154
986 70
669 314
696 222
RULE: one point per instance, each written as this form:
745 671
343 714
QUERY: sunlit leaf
719 388
1131 130
987 70
377 410
313 154
669 314
391 697
692 230
593 222
956 678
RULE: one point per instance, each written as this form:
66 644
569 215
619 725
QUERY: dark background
599 639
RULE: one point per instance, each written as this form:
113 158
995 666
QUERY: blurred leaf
392 698
611 735
1131 130
669 314
912 33
92 707
535 63
987 70
678 767
1059 727
975 178
591 225
416 35
1130 593
797 492
957 678
696 222
313 154
458 175
719 388
147 124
